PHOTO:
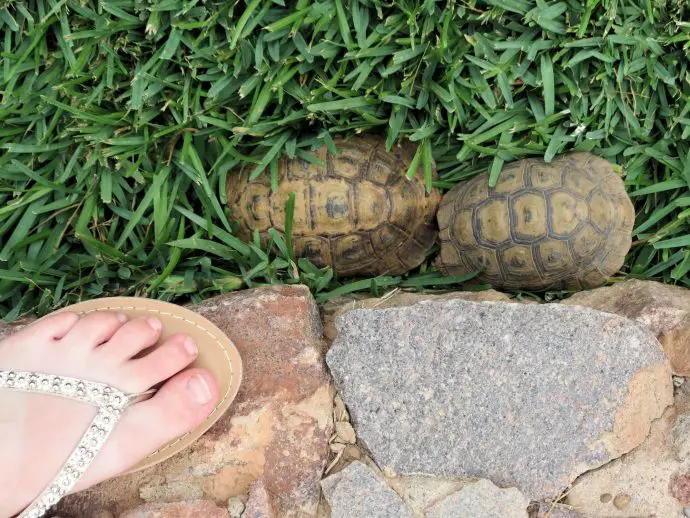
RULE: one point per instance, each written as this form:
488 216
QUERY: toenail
190 346
122 317
154 323
198 389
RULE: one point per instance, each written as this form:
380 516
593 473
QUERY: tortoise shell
357 213
560 225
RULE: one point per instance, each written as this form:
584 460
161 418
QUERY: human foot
38 432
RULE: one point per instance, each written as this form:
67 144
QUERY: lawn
121 120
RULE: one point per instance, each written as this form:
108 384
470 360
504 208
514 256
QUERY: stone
357 491
526 395
663 308
482 499
236 506
644 479
333 308
680 436
277 429
190 509
621 501
259 504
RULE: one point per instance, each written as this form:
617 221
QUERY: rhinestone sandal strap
89 392
77 464
110 403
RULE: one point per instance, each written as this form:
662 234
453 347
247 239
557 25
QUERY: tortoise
560 225
357 213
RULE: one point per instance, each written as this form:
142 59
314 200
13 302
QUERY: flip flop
217 354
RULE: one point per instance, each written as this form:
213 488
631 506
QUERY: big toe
178 407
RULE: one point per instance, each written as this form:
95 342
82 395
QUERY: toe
95 328
178 407
56 325
181 404
132 338
173 355
51 327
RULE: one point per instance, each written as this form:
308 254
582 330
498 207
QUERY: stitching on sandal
215 339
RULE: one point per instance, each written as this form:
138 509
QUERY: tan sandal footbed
217 354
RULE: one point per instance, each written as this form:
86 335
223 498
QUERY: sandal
217 354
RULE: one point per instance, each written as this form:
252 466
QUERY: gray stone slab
525 395
357 492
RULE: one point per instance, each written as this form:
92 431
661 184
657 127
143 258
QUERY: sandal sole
217 354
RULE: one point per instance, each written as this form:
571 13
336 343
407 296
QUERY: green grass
121 119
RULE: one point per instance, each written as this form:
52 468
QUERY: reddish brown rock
335 307
192 509
277 429
664 309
